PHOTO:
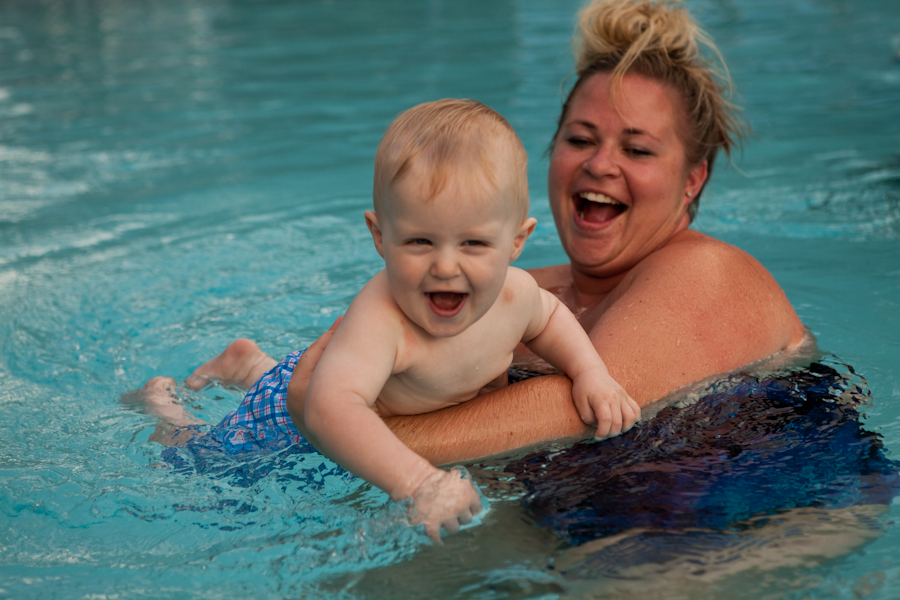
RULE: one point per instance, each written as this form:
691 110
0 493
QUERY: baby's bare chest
448 372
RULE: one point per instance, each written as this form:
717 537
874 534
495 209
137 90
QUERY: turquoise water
174 175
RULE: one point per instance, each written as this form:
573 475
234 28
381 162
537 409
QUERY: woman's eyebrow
634 131
587 124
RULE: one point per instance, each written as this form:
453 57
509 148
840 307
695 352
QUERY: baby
437 326
442 320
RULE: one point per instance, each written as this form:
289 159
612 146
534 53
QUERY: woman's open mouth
446 304
592 207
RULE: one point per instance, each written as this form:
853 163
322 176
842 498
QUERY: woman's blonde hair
659 39
452 138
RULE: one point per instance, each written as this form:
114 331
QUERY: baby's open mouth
597 208
446 304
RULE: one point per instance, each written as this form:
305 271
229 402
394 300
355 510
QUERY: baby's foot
241 364
157 398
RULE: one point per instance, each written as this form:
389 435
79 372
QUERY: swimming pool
177 174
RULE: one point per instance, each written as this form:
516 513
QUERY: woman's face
618 180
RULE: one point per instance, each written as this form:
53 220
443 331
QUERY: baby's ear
375 230
525 229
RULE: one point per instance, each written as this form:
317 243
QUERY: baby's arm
555 335
340 421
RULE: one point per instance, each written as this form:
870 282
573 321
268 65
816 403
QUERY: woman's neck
588 291
591 294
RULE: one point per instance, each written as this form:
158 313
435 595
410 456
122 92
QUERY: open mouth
597 208
446 304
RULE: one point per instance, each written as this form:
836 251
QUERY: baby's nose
445 266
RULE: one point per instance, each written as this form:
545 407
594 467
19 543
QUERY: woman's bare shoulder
692 255
718 289
694 308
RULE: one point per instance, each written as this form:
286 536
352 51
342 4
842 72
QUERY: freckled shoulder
695 263
693 308
530 304
520 286
709 302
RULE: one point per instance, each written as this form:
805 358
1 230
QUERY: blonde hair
444 136
659 39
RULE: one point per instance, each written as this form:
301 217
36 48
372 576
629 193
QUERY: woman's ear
375 230
696 178
525 229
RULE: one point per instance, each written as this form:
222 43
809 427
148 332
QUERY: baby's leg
241 364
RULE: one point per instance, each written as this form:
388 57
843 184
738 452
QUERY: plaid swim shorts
262 420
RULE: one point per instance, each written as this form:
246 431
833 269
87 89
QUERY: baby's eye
474 243
419 242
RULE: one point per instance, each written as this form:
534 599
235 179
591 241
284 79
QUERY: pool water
174 175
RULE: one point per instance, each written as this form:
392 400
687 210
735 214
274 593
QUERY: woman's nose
602 162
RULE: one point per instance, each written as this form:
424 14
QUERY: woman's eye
578 142
639 152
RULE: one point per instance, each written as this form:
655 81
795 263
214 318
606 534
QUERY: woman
664 305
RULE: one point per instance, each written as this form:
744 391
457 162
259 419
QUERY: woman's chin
589 248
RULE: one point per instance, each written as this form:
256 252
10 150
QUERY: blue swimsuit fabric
262 417
756 447
260 427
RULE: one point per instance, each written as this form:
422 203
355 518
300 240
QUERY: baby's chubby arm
339 420
555 335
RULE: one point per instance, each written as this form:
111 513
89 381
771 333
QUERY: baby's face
447 257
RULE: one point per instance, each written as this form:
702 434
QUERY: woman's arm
524 414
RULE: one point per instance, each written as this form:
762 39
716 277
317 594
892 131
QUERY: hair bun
621 30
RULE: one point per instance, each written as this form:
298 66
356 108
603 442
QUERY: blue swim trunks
262 420
256 439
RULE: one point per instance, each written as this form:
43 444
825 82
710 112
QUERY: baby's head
451 211
462 141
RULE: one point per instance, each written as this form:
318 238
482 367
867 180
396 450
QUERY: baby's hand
446 498
602 401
